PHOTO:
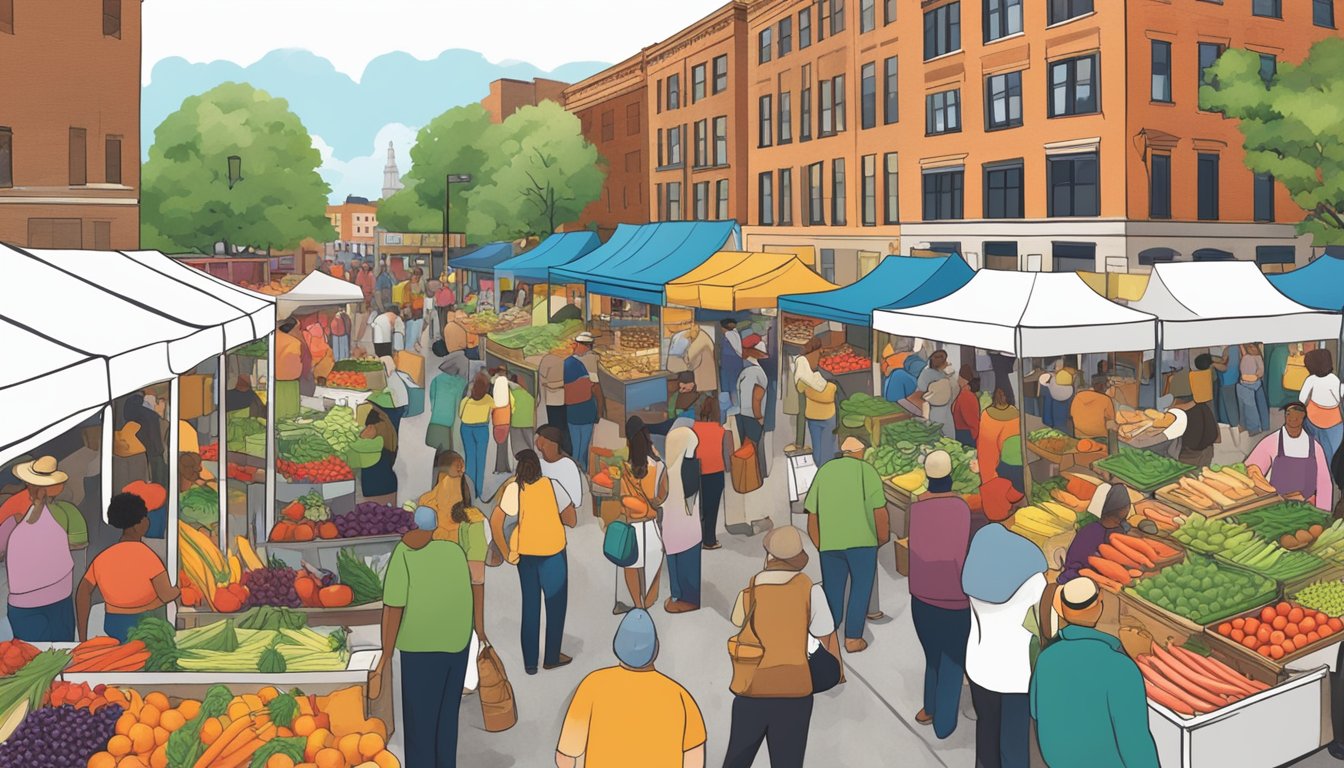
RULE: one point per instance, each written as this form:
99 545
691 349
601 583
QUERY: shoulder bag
642 508
619 543
745 649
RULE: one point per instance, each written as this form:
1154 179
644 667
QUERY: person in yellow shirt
1093 411
819 410
632 714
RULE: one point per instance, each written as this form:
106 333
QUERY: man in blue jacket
1087 696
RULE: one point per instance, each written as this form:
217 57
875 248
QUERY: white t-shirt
1295 447
384 326
1321 390
566 472
509 501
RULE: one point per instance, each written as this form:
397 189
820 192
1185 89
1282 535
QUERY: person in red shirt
966 408
715 448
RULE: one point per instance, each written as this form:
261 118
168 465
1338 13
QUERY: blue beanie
426 519
636 641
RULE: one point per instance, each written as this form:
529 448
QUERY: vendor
966 407
938 389
37 559
1294 462
901 383
1093 411
752 385
131 578
243 397
1000 429
1057 397
803 374
1114 511
1200 432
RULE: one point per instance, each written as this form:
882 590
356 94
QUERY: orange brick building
508 96
70 123
612 108
356 225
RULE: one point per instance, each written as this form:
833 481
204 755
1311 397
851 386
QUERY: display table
641 396
350 616
322 552
351 398
339 496
497 354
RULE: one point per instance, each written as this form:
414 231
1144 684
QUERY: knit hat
937 465
636 641
1076 598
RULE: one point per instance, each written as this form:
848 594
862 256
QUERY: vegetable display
1272 560
21 692
271 586
211 578
1190 684
913 431
328 470
539 339
1287 517
1324 596
347 380
159 639
14 654
338 427
222 646
309 448
1203 591
272 617
1212 536
358 365
1165 518
1215 490
888 460
1123 558
373 519
1280 630
1144 470
60 737
863 405
1043 521
364 582
844 360
1052 440
106 654
199 506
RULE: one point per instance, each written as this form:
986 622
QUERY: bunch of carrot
105 654
1123 558
1190 684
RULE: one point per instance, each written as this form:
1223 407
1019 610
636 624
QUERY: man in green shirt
445 394
428 617
522 415
847 521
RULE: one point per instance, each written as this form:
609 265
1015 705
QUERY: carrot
1165 699
1193 689
1163 551
1102 581
129 664
1221 670
1195 675
1116 556
1153 675
112 656
218 747
94 643
1130 551
1141 545
1109 569
240 756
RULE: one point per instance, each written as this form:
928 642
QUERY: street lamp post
453 178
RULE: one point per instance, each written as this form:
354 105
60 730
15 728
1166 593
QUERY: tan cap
785 544
41 472
937 465
1078 594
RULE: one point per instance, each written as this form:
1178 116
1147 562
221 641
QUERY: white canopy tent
319 289
1026 314
48 388
1227 302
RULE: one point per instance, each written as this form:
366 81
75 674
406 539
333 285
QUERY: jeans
413 328
54 623
475 437
1002 728
543 577
580 438
824 447
1249 399
964 437
683 575
431 697
943 633
555 416
781 723
711 494
1328 437
1228 412
340 347
856 567
119 625
751 429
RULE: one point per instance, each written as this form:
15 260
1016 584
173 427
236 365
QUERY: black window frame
1159 186
784 198
825 108
1060 11
765 43
891 188
1159 66
942 104
816 195
6 157
1073 163
1011 93
720 73
669 201
1263 196
784 35
675 154
888 12
838 93
823 19
700 201
765 112
1207 182
1202 49
765 203
805 106
868 191
837 24
942 30
948 189
839 193
1005 192
673 92
1267 9
997 19
1074 105
1077 257
804 28
891 90
720 140
700 153
721 200
1323 13
867 16
784 118
699 82
868 96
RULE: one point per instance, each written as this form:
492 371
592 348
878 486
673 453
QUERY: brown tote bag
745 648
499 711
745 469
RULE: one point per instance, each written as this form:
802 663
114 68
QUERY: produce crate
1066 459
1162 624
874 424
1112 476
1219 514
1282 583
1333 572
367 614
1274 668
322 552
286 491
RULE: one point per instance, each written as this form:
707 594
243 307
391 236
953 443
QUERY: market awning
46 388
733 281
259 307
483 259
318 289
1227 302
896 281
1027 314
639 260
555 251
1319 285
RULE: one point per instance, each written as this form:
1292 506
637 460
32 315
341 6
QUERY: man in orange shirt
1093 411
130 576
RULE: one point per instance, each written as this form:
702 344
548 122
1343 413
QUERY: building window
767 120
785 196
766 210
888 12
785 118
658 106
1161 68
674 201
632 119
1264 197
942 30
816 210
674 91
869 211
674 146
111 160
823 18
891 109
1322 13
826 108
721 73
1270 8
837 17
785 35
112 18
1159 187
892 188
660 147
1003 100
805 106
1208 56
1063 10
838 88
1269 67
867 15
701 143
838 202
79 157
700 195
608 125
1073 86
868 96
697 83
1002 18
721 192
942 112
7 16
943 194
1001 255
721 140
1208 186
1073 184
765 42
804 28
1150 256
1003 191
828 264
1073 257
1274 259
6 156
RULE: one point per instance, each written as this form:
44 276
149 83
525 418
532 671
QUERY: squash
335 596
248 554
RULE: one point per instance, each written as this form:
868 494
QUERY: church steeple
391 176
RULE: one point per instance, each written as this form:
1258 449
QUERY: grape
59 737
373 519
271 586
1324 596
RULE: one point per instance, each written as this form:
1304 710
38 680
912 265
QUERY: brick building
70 123
508 96
356 225
612 108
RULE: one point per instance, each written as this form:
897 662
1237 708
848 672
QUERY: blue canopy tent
476 264
555 251
1319 285
639 260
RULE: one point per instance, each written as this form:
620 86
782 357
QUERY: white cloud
363 176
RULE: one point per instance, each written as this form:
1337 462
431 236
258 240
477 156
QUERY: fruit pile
305 519
1203 591
373 519
539 339
1143 470
1190 684
271 586
1324 596
14 655
209 577
1280 630
347 380
77 695
246 474
328 470
844 360
59 737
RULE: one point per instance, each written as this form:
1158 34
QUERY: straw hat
41 472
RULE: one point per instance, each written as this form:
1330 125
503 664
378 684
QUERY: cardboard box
196 395
903 556
412 365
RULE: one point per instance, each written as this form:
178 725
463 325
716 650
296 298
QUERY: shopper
730 359
340 334
752 385
428 615
1093 411
397 390
584 403
783 612
679 525
522 415
966 407
645 486
551 382
445 397
714 449
501 417
557 466
1004 577
1252 401
1201 432
940 524
1293 461
134 410
382 290
1115 508
819 409
1087 696
452 490
243 398
802 373
1321 395
1000 431
1057 397
474 416
936 386
386 325
537 545
631 714
847 522
901 382
699 358
379 482
37 559
130 577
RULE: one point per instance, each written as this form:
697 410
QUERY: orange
131 761
102 760
125 722
318 740
210 730
158 701
304 725
386 759
142 738
159 757
189 708
280 760
370 744
172 720
149 714
119 745
267 694
349 746
161 735
330 758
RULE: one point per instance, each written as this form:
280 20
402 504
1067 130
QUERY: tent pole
222 470
269 514
105 462
174 443
1022 418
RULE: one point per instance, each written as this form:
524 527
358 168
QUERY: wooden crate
874 424
1163 626
1273 670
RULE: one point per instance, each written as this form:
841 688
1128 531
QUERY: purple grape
59 737
271 586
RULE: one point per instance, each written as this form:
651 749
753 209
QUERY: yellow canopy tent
732 281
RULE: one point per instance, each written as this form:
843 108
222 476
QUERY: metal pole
1022 417
174 441
269 513
222 465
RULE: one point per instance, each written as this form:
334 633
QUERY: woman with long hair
1321 394
379 482
645 488
474 415
679 525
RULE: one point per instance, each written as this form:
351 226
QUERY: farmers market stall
533 270
1319 285
473 274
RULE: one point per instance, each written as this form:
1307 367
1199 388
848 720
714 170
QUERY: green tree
1292 127
461 140
186 202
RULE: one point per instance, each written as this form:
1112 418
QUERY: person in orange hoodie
998 424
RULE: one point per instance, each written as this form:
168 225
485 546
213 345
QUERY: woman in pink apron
1293 461
38 561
